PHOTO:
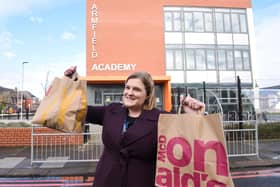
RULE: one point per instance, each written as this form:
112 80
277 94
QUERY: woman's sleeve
95 114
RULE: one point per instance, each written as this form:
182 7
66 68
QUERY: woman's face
134 94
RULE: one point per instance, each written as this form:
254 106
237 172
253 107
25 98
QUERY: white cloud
17 7
36 19
267 45
68 36
9 54
6 40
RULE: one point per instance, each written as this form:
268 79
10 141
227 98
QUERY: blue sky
50 34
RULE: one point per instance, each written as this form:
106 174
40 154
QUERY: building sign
93 22
115 43
113 67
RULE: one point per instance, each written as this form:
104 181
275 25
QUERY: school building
194 46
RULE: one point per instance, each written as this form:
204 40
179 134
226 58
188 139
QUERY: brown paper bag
64 106
191 152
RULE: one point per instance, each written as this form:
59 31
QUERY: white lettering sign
113 67
94 21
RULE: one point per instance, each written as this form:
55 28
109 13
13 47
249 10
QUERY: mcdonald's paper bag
191 152
64 106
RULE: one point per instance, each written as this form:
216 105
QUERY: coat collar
145 124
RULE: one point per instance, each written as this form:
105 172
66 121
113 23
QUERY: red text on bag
169 178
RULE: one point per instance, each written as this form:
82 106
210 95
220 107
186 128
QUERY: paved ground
269 156
15 162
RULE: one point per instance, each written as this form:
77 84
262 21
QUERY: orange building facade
127 36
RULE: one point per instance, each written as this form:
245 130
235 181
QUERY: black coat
129 159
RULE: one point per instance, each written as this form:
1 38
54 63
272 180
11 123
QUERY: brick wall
21 136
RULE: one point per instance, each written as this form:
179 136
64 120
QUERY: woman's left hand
192 105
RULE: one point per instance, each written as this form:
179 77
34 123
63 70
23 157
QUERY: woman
130 134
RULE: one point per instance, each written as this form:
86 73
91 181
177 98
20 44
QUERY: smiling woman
130 133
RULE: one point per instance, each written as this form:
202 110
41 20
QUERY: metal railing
58 146
241 138
65 147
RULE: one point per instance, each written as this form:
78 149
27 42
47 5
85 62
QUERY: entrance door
111 97
100 95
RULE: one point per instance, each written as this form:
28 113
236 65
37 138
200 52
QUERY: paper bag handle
180 108
73 77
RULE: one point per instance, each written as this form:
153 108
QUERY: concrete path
15 162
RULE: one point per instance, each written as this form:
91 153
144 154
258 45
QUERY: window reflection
235 23
243 23
211 60
227 23
201 20
168 21
188 22
177 21
198 21
169 59
230 65
246 60
208 22
222 59
200 59
190 59
238 60
219 22
178 59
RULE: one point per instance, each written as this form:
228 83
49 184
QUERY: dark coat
129 159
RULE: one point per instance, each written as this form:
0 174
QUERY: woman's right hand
70 71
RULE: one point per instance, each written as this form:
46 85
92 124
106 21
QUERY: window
227 23
224 95
188 22
235 23
178 59
246 60
206 56
211 59
219 22
232 94
172 21
243 23
230 63
198 21
231 20
177 21
204 19
98 96
169 59
168 21
208 22
222 60
190 60
238 60
200 59
174 59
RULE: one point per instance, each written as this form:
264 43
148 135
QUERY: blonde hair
148 82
